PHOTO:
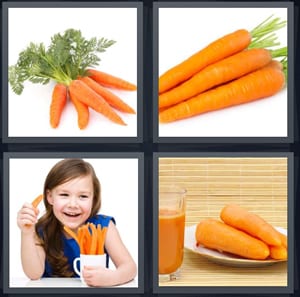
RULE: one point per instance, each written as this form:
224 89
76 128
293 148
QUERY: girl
72 198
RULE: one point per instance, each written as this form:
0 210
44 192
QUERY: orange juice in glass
170 231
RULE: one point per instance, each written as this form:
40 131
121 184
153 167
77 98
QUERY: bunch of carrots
242 233
236 68
69 62
90 238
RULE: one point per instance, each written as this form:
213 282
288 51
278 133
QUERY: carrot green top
67 57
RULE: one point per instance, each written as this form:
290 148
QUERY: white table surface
60 282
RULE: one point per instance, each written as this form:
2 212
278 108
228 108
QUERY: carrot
261 36
82 110
58 102
86 95
261 83
81 240
93 246
71 233
217 73
109 80
110 97
37 201
219 236
100 239
283 238
278 252
240 218
221 48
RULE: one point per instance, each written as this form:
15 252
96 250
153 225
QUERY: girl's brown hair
51 228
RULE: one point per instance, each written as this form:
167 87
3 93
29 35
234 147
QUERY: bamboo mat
259 184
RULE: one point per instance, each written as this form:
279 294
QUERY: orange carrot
58 102
89 97
110 97
219 236
283 238
278 252
37 201
240 218
80 240
82 110
109 80
93 246
101 233
219 49
217 73
261 83
71 233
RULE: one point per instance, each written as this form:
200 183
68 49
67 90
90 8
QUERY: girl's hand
97 276
27 218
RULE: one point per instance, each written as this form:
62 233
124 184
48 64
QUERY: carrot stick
101 233
89 97
58 102
37 201
110 97
93 247
278 252
71 233
261 83
104 231
80 240
219 236
215 74
82 110
109 80
251 223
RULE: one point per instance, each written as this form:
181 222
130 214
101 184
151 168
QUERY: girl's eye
63 195
84 196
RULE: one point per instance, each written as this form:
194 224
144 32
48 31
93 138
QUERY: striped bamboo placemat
259 184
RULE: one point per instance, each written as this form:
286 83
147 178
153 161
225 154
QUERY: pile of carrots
92 91
232 70
90 238
242 233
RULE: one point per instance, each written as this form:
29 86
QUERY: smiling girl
72 197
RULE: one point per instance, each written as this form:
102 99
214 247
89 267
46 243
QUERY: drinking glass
171 231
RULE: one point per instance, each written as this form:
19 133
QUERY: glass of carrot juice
170 232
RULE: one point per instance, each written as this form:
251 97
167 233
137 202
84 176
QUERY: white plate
222 257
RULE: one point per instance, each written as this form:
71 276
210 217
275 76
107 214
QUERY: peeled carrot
221 48
58 102
217 73
240 218
278 252
37 201
110 97
109 80
261 83
283 238
219 236
93 246
86 95
83 113
71 233
101 232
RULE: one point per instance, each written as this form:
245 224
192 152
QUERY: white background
29 112
185 31
119 194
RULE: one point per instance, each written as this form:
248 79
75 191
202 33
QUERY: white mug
88 260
